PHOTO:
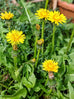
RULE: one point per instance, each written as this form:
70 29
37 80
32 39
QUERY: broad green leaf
61 51
17 73
70 25
71 77
71 63
30 82
32 79
71 68
45 90
20 93
1 24
2 49
71 91
2 30
72 56
36 89
60 96
26 83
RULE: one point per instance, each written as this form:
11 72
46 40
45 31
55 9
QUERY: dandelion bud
51 75
37 26
33 60
15 47
40 42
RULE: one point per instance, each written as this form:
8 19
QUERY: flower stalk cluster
54 17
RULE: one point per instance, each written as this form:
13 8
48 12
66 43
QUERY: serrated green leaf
70 26
21 92
60 96
70 77
30 82
2 30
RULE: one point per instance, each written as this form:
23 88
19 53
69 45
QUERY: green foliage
21 92
30 83
71 90
27 81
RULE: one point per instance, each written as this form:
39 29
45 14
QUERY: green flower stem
9 26
7 23
53 37
15 61
10 82
27 72
4 86
46 4
3 38
25 49
41 94
64 67
35 46
42 36
17 73
37 57
43 23
69 44
25 57
47 80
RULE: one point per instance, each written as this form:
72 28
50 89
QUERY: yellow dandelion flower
50 66
42 13
40 42
56 17
6 15
15 37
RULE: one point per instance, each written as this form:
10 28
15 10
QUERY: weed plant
39 64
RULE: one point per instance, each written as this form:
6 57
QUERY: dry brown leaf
54 4
15 2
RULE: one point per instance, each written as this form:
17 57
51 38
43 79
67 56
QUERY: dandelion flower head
6 15
50 66
15 37
42 13
56 17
